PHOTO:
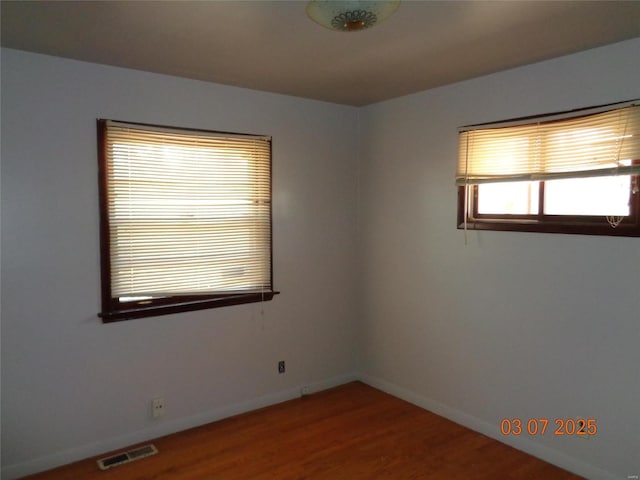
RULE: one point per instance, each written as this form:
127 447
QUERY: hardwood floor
350 432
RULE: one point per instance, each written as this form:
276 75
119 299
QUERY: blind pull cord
615 220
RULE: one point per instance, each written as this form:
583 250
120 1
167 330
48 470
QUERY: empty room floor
350 432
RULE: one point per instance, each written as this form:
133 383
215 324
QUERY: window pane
513 198
588 196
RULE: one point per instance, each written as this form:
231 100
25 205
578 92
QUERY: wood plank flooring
350 432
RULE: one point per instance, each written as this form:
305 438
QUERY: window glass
511 198
588 196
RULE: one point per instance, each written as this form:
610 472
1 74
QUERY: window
574 172
185 219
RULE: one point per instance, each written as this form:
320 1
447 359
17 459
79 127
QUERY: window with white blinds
572 172
186 219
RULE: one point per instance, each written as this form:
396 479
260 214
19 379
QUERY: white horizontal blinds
189 212
605 143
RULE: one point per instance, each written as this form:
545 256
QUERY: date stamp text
540 426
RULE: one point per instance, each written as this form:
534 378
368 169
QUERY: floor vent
126 457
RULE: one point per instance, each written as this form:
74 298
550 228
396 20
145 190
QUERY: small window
574 172
185 219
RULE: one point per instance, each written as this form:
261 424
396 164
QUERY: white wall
72 386
514 324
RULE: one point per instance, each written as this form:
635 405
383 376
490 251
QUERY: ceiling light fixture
350 15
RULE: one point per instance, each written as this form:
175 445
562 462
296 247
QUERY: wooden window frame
113 310
543 223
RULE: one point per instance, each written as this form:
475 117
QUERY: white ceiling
273 46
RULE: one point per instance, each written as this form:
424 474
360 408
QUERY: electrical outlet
157 407
304 391
281 368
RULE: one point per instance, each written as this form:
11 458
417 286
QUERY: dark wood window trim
132 310
114 310
568 224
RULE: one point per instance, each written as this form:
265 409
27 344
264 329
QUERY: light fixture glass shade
350 15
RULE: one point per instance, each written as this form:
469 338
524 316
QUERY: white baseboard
521 443
11 472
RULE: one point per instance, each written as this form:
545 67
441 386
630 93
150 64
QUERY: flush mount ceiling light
350 15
